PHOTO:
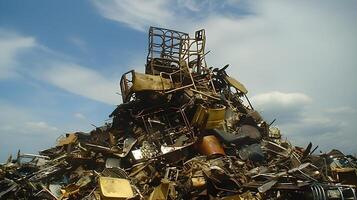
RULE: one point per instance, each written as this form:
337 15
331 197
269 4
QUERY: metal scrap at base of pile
183 131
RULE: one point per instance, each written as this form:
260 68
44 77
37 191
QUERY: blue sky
60 62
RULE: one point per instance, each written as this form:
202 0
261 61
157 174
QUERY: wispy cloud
79 116
341 110
20 121
11 45
79 43
182 14
136 14
22 129
54 68
82 81
40 126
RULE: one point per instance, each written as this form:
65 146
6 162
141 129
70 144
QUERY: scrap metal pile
183 131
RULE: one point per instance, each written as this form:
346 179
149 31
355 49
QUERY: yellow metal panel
115 188
236 84
71 138
144 82
215 117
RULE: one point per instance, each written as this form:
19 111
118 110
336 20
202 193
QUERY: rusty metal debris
183 131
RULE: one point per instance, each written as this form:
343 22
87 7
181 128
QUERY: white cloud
288 45
191 5
285 107
60 70
83 81
40 126
280 98
136 14
301 123
79 42
11 45
22 129
79 116
341 110
14 119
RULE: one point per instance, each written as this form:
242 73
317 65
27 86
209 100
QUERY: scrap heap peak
184 131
